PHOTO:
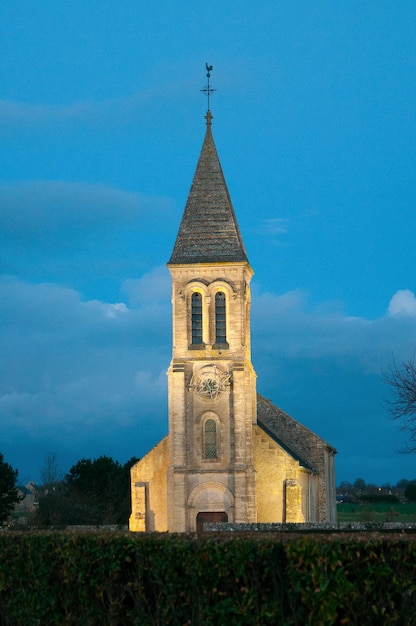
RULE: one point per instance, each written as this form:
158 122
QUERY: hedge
380 497
214 579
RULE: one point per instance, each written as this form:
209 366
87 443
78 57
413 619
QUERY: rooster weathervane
208 90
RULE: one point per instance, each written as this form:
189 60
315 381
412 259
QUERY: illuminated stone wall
284 492
197 484
149 490
281 484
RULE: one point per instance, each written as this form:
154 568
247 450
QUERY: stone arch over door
209 497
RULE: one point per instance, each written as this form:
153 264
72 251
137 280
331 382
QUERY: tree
100 491
402 407
359 484
54 508
93 492
402 483
9 496
344 486
410 492
50 473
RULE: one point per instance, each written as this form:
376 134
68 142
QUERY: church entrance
209 516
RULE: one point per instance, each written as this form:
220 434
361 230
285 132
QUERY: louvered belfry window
196 305
220 318
210 439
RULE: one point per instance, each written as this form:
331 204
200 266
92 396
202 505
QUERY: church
230 455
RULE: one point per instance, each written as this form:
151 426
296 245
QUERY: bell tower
211 380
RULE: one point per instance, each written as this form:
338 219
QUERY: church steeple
208 232
212 383
218 463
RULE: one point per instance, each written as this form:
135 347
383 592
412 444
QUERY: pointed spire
208 232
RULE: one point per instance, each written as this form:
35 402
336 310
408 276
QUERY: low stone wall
316 528
71 529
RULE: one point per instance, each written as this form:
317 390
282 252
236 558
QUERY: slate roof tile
298 440
208 232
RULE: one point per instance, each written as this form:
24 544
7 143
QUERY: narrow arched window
210 439
196 313
220 318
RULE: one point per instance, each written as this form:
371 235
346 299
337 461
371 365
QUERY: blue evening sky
101 125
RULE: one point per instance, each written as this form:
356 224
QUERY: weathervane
208 90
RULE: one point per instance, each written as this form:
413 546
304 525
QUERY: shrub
380 497
117 579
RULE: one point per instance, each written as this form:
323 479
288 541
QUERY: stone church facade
230 454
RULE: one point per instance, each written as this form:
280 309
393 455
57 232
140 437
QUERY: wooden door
209 516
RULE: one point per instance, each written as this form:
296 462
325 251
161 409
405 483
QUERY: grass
376 512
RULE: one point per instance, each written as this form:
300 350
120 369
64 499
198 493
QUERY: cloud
79 234
138 107
288 321
403 303
80 375
55 343
275 226
155 286
21 112
39 208
113 310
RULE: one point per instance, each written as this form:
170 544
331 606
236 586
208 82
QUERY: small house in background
28 502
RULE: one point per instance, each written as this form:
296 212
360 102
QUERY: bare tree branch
402 405
50 472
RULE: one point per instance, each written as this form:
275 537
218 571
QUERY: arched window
220 318
196 313
210 439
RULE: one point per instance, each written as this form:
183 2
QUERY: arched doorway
214 517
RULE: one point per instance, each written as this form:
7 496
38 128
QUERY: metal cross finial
208 90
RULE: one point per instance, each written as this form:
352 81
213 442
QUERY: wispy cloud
25 113
39 206
153 287
274 226
56 230
121 110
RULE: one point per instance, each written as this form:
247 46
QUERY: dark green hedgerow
354 582
119 579
104 579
